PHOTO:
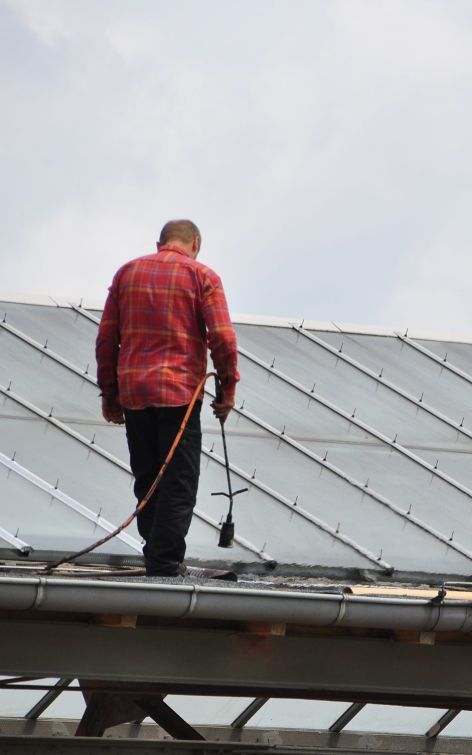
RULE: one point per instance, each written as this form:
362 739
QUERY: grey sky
323 146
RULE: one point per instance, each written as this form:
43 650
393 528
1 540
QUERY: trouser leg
165 521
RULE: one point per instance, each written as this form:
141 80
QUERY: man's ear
196 244
158 246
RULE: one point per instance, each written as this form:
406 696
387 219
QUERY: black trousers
165 520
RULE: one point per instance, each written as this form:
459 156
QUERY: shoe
180 572
229 576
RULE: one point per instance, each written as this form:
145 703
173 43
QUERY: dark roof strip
382 381
358 423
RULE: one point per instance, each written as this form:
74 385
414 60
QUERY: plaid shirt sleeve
107 346
220 333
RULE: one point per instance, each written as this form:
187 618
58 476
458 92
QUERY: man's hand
112 411
222 409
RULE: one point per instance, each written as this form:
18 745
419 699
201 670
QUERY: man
162 312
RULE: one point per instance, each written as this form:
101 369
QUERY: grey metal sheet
45 522
410 369
348 387
335 501
54 456
66 331
87 477
275 537
284 469
282 406
411 487
394 719
45 382
458 354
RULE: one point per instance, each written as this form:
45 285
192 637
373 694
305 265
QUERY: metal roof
355 448
355 444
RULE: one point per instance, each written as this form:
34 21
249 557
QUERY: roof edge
263 320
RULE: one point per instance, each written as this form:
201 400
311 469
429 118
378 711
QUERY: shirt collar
173 248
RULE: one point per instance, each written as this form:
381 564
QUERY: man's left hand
112 411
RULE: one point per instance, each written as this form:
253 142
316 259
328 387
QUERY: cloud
325 153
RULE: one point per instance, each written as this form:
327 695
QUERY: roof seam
44 349
338 472
358 423
91 445
431 355
362 487
295 509
382 381
68 501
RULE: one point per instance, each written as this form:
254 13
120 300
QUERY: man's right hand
222 409
112 411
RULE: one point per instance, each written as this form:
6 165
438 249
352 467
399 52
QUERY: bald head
179 230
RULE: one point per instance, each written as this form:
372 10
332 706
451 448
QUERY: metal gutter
236 604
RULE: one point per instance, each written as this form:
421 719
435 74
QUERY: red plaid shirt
162 312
